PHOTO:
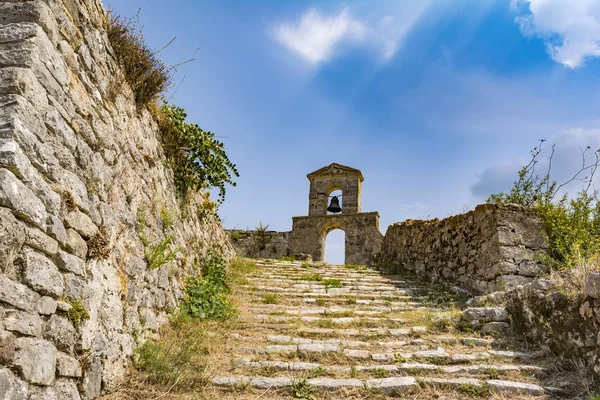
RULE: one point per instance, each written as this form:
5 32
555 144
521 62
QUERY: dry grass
145 73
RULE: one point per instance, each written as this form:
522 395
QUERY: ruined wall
362 235
82 182
567 321
255 244
490 248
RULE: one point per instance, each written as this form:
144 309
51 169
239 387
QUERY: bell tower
363 238
331 178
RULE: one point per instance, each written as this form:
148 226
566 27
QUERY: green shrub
207 297
472 390
287 258
161 253
332 283
572 222
270 298
197 158
261 238
77 313
302 390
167 217
235 236
145 73
316 277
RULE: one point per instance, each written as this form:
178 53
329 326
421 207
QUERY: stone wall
567 321
83 193
488 249
255 244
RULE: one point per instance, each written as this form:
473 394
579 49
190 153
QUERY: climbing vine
198 159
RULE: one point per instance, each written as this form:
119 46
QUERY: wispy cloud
570 28
317 38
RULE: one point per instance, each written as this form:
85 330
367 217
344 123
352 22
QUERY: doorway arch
335 246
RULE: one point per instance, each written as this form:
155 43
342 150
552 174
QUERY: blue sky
437 102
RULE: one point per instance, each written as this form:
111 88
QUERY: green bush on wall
572 222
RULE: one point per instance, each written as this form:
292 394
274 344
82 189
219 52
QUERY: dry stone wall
488 249
259 244
567 321
83 194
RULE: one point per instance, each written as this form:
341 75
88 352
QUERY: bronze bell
334 206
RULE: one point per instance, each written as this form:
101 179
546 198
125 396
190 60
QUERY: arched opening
337 193
335 247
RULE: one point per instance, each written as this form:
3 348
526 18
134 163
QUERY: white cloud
317 38
570 28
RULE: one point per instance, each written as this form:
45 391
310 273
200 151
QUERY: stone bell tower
308 235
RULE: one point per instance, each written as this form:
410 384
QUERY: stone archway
363 238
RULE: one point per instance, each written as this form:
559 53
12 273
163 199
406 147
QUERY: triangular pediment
334 169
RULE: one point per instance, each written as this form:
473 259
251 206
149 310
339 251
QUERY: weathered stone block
70 263
67 366
74 286
46 306
17 31
76 244
61 332
92 379
40 241
36 360
56 229
42 393
23 323
12 237
509 282
41 274
15 195
592 287
66 390
7 347
12 388
81 223
17 295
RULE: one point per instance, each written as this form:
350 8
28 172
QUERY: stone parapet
488 249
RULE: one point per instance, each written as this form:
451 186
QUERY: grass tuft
145 73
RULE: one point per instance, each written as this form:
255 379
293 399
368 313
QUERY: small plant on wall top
262 237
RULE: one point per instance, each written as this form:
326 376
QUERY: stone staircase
341 332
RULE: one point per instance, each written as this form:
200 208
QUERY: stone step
320 289
331 320
447 340
358 311
472 369
437 356
330 294
388 386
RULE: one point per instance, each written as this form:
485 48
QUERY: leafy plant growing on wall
198 159
161 253
572 223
